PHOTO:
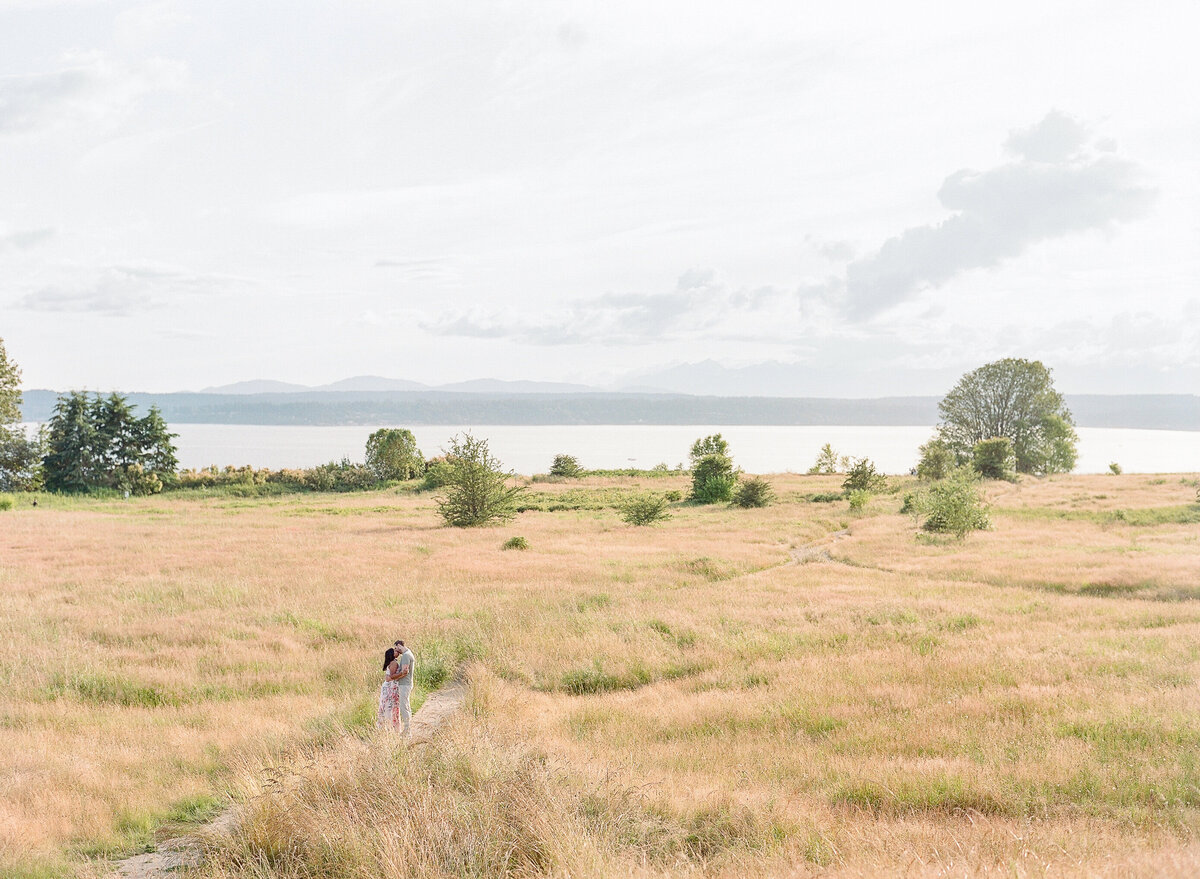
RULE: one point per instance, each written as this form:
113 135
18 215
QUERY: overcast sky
868 200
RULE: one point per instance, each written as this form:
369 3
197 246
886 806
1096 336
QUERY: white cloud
1058 186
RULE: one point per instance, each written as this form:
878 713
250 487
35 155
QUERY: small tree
392 454
953 505
10 389
21 459
708 445
828 462
862 476
566 466
713 480
993 458
645 509
476 491
754 492
937 460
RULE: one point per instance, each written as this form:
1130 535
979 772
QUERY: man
408 666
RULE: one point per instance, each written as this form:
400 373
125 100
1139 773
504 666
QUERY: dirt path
185 851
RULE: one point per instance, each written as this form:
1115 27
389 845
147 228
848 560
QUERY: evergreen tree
157 451
70 461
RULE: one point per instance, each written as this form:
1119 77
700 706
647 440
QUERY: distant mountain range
377 383
480 403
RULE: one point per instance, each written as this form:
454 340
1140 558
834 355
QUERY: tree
10 389
828 462
566 466
937 460
713 479
392 453
158 452
708 445
476 488
70 464
1012 398
993 458
20 459
863 476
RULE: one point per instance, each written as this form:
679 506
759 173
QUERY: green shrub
515 543
754 492
645 509
566 466
392 454
828 462
937 460
954 505
6 503
437 473
1115 469
713 480
862 476
706 446
858 498
339 476
994 459
476 491
674 496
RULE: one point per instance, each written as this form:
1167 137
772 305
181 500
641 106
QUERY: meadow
791 690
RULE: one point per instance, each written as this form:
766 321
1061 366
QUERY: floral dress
389 704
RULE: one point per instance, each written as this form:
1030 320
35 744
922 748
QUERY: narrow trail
186 851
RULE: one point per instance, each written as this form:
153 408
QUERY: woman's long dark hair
389 657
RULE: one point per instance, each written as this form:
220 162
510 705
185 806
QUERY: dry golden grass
733 691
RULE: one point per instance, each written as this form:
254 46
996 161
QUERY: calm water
774 449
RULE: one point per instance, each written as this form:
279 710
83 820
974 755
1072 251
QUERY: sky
826 199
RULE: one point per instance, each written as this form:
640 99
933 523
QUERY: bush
937 460
828 462
674 496
708 445
20 459
515 543
6 503
437 473
645 509
859 498
754 492
566 466
392 454
994 459
1115 469
713 480
862 476
339 476
476 490
954 505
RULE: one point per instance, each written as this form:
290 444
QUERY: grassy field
790 690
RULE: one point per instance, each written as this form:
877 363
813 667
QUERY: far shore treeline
1147 411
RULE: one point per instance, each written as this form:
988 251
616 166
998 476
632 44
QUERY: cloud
90 88
1057 185
121 291
699 305
24 239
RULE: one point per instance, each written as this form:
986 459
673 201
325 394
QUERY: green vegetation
828 462
1011 398
476 491
515 543
392 455
754 492
994 459
1114 468
713 480
96 442
937 460
566 466
953 505
645 509
702 448
862 476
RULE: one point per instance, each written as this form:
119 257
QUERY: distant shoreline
351 408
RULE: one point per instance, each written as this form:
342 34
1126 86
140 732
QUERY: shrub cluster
754 492
566 466
645 509
334 476
953 505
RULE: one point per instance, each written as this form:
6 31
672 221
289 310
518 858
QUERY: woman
389 693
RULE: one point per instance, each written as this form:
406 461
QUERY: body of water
758 449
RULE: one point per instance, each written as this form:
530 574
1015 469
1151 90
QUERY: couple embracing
394 710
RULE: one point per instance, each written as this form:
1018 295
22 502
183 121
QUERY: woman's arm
393 668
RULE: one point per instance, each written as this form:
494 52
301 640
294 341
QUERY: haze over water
529 449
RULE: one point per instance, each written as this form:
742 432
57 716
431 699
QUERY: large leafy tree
10 389
392 453
1013 398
